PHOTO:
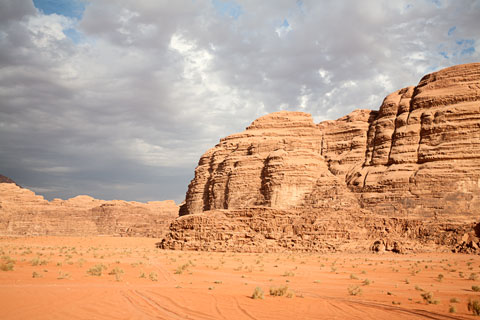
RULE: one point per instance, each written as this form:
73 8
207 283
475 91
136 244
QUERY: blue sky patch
68 8
467 51
73 34
451 30
228 8
466 42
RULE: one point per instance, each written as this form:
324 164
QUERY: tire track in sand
215 302
244 311
181 307
136 299
388 308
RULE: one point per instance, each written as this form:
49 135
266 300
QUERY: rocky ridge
406 174
22 212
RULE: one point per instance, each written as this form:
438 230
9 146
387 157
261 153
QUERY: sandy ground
128 278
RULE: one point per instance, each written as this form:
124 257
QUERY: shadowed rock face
22 212
4 179
418 157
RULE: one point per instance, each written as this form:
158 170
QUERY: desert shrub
473 276
80 262
257 293
366 282
353 277
428 298
116 271
63 275
474 307
288 274
6 263
36 275
96 270
452 309
278 292
440 277
153 276
454 300
181 268
37 262
476 288
354 290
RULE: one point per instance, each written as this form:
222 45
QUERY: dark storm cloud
120 102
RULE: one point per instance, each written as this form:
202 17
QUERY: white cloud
154 84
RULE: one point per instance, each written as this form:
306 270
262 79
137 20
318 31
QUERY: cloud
119 99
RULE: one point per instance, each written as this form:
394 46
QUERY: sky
119 99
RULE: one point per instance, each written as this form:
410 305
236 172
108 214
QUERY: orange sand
220 285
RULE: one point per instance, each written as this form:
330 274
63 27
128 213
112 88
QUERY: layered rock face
22 212
423 148
277 162
416 159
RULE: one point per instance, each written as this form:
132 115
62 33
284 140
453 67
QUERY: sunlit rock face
22 212
419 154
413 163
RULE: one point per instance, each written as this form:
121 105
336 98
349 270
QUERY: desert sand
129 278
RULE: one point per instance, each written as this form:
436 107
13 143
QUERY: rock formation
408 170
22 212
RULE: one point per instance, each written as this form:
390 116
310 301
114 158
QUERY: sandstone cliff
22 212
414 162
